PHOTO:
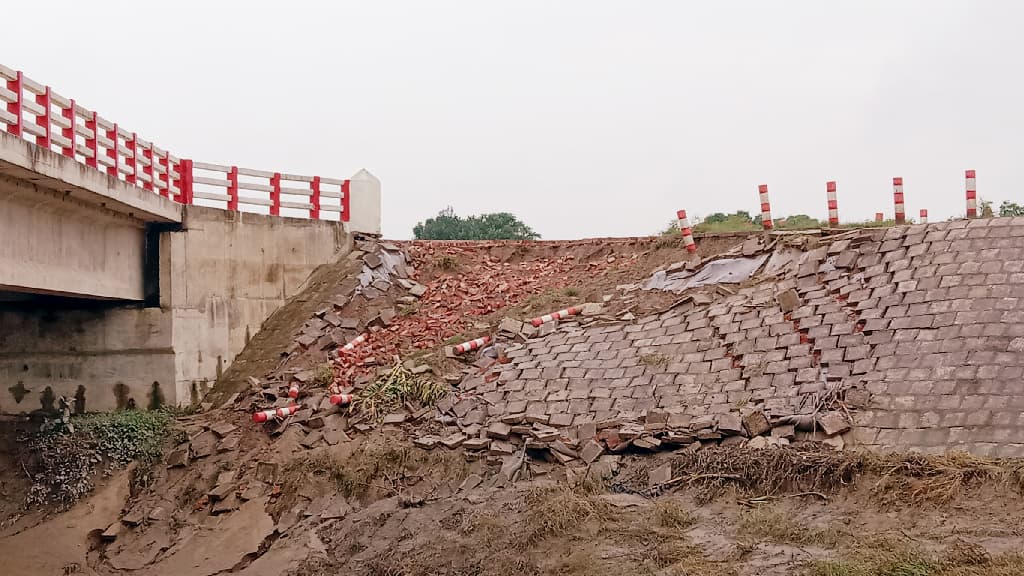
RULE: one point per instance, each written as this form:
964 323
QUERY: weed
654 359
324 375
667 241
671 514
571 292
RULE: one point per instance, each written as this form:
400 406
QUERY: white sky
585 118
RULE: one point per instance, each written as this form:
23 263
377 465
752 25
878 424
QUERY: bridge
132 276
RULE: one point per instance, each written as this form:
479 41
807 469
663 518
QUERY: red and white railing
36 113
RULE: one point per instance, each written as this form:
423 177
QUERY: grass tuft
556 509
672 515
654 359
392 390
446 262
775 526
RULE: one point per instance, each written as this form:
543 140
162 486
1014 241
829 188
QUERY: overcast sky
585 118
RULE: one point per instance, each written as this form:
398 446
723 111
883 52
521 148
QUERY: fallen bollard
267 415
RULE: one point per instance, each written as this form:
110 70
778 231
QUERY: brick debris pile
390 314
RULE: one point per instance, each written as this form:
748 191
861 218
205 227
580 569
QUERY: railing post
93 143
345 202
275 196
132 162
233 188
165 177
44 120
147 153
314 198
113 152
70 132
184 182
15 107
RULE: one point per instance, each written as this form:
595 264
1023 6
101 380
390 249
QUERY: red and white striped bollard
572 311
472 344
972 194
833 207
879 217
341 399
897 197
293 390
686 231
924 215
766 207
266 415
355 342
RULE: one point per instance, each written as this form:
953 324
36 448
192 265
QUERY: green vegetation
496 226
324 375
63 460
1008 208
392 390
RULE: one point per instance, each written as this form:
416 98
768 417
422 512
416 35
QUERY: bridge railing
36 113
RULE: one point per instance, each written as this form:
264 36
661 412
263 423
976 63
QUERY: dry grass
672 515
773 525
899 478
383 468
918 478
888 557
774 471
556 509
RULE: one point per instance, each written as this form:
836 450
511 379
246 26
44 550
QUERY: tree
799 222
736 222
1008 208
495 226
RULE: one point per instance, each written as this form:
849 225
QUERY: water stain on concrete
121 395
80 400
156 397
48 400
18 391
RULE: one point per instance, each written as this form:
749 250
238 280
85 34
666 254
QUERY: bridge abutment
215 279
